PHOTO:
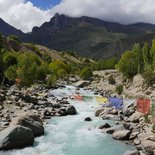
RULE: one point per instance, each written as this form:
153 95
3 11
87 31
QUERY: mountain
88 37
7 29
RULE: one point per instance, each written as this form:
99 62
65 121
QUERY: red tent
143 106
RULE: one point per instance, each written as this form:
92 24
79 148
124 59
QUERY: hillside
12 45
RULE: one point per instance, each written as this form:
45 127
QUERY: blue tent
116 102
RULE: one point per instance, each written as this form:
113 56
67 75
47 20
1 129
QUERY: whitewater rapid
71 135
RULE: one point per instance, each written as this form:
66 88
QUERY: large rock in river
132 152
15 137
70 110
122 135
31 121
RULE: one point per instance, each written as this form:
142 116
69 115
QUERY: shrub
119 89
52 79
15 38
128 64
86 73
149 77
111 80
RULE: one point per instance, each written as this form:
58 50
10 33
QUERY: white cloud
23 15
122 11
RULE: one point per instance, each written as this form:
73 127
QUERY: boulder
88 119
133 152
104 126
138 81
114 129
135 117
15 137
31 121
122 135
149 146
82 83
70 110
98 112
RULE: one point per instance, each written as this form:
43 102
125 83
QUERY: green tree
153 54
86 73
28 65
139 55
128 64
10 58
55 66
10 73
146 56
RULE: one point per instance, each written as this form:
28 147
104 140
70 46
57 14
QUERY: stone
121 135
132 152
16 137
31 121
88 119
104 126
98 112
149 146
138 80
135 117
82 83
114 129
137 141
70 110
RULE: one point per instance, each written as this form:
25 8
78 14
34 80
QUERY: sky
25 14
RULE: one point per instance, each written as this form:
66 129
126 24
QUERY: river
71 135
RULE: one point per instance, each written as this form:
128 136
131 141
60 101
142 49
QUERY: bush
149 77
15 38
86 73
111 80
128 64
119 89
52 79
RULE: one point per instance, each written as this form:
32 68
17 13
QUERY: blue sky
45 4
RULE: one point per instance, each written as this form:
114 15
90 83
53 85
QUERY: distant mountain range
86 36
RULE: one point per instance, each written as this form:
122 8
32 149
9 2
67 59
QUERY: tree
10 59
86 73
128 64
10 73
153 54
55 66
146 56
139 55
28 66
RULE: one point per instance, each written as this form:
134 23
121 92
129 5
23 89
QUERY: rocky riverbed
24 111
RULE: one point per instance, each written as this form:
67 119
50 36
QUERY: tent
101 99
87 98
116 102
143 106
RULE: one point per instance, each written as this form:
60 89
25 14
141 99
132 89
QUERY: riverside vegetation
26 65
